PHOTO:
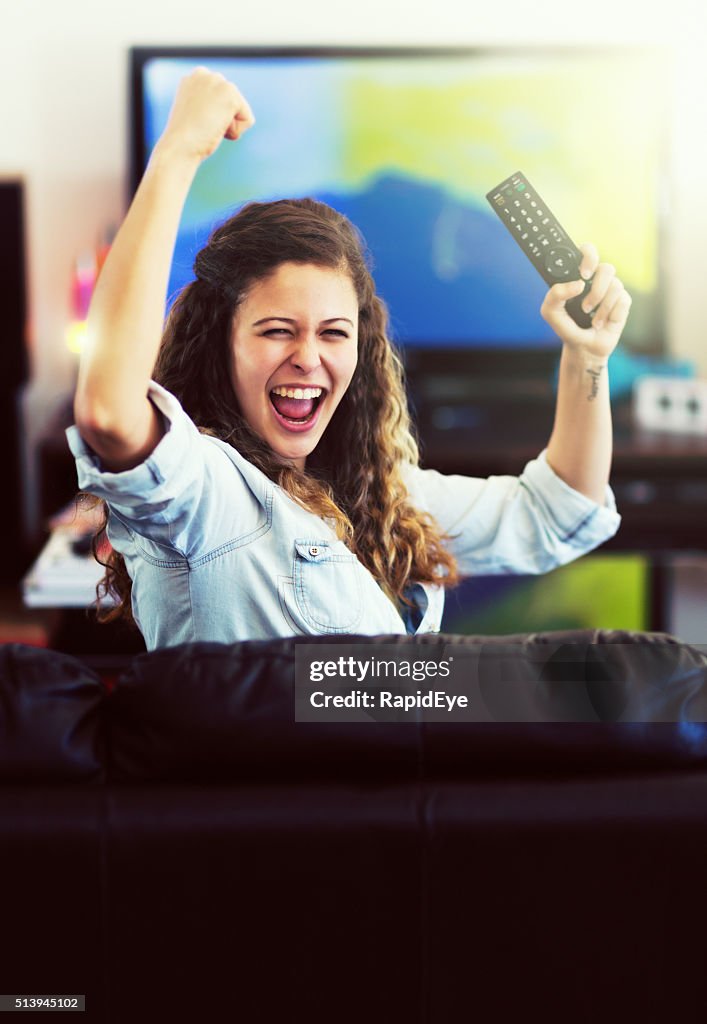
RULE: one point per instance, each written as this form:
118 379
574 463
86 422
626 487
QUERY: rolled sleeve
158 496
513 525
578 520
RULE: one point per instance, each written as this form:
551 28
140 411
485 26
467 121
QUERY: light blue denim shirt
217 551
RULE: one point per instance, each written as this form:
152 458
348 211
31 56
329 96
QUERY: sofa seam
423 825
104 900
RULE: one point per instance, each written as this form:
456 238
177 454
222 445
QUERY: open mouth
297 408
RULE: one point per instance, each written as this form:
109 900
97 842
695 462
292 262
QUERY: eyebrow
287 320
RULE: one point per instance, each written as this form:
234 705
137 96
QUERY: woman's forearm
126 316
580 446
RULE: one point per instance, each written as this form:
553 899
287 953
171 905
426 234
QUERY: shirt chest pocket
327 584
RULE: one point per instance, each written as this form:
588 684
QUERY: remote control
541 237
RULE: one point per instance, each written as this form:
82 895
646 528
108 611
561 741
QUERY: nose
305 353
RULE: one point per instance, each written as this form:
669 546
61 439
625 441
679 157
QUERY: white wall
63 89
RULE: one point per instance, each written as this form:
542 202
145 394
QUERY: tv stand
659 480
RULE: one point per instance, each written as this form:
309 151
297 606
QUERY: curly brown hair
354 475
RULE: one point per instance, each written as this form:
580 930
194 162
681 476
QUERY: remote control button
561 262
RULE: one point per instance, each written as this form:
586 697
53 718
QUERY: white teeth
298 392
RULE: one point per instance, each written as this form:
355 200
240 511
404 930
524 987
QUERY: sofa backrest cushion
213 712
217 712
51 727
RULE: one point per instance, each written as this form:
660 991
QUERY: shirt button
314 551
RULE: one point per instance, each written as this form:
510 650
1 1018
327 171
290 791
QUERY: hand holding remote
602 300
587 305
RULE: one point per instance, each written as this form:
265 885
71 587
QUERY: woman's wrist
585 372
581 358
171 157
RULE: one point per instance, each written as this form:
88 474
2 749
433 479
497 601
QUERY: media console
660 480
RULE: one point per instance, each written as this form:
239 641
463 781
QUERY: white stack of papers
60 578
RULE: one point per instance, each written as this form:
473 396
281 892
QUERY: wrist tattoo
595 374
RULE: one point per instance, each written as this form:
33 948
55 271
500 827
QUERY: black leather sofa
175 846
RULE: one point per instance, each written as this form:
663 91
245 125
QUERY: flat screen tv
408 142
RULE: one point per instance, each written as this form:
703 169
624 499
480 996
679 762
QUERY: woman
266 482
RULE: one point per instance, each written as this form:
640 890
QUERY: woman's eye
283 330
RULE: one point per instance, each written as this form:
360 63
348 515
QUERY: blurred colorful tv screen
408 143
